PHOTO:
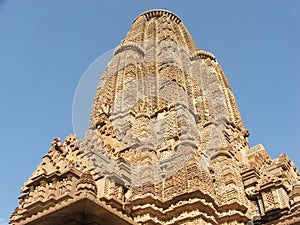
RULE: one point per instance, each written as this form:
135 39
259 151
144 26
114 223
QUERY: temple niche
166 145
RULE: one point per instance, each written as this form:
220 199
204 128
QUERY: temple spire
166 145
158 77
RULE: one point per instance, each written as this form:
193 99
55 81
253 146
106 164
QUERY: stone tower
166 145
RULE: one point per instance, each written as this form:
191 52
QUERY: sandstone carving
166 145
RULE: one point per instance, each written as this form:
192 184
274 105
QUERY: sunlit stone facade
166 145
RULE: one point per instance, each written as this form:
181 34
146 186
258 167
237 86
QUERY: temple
166 145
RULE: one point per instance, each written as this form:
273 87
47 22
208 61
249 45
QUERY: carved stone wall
166 145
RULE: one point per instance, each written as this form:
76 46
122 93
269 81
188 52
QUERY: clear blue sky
45 47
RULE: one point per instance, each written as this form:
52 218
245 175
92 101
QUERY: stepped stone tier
166 145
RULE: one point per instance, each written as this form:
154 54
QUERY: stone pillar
295 198
42 190
69 183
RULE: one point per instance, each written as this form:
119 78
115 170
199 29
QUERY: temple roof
158 25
